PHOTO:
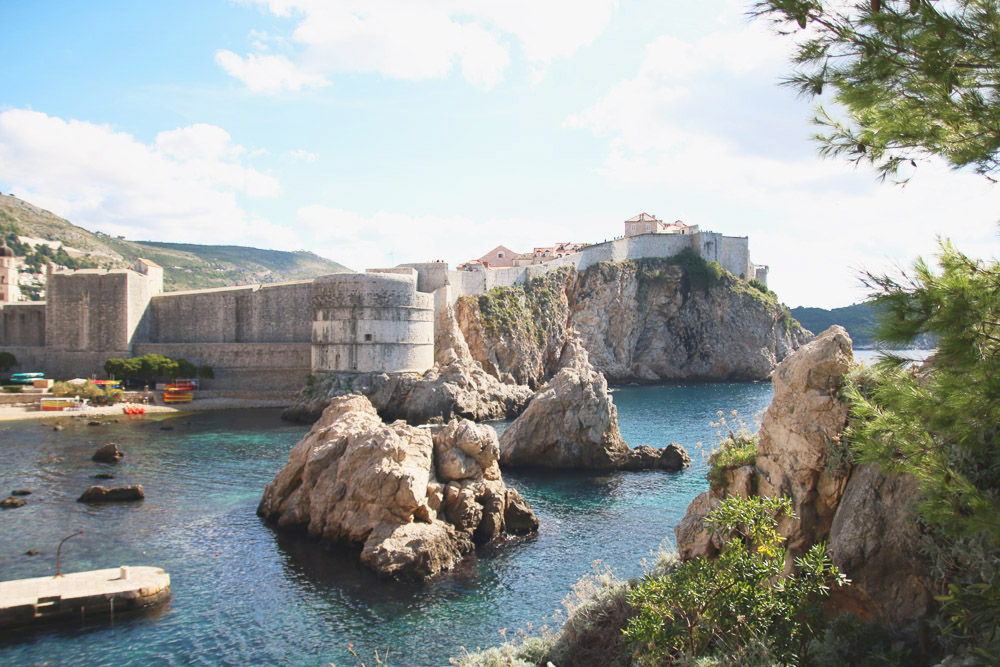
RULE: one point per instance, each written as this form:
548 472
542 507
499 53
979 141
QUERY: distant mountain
859 319
41 236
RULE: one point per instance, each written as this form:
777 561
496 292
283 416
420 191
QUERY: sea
245 594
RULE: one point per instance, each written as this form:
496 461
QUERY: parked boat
179 392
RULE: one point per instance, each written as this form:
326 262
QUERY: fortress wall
735 256
760 272
22 324
431 276
87 310
62 364
371 322
279 313
249 366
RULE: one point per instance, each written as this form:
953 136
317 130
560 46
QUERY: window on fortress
633 228
647 228
499 255
368 337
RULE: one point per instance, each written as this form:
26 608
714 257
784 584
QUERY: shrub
737 449
737 600
7 361
13 388
96 394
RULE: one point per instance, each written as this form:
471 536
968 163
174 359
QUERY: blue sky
376 132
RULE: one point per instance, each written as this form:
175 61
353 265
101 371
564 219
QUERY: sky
378 132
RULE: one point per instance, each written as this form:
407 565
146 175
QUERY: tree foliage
151 366
916 78
7 361
737 600
942 425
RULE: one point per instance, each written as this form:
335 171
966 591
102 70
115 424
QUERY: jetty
81 595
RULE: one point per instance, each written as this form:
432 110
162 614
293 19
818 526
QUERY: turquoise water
243 594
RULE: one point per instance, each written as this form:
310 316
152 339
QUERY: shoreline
24 413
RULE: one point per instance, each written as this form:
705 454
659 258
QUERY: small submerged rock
114 494
102 475
166 428
21 492
12 502
95 423
109 453
58 427
31 552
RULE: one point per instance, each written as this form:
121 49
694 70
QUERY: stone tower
9 291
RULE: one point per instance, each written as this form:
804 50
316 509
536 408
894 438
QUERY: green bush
13 388
96 394
740 599
151 366
7 361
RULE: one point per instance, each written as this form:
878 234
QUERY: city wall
270 337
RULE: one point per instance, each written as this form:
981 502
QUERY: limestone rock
875 541
572 422
459 388
114 494
108 454
415 499
12 503
804 421
672 458
644 321
693 538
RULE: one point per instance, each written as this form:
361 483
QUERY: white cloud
387 239
704 122
417 39
182 186
302 154
268 73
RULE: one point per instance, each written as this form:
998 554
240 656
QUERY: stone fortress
270 337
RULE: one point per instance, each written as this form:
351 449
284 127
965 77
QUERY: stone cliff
414 500
866 518
649 320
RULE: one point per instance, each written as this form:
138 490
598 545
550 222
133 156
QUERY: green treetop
915 78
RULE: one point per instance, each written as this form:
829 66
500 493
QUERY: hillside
41 236
859 319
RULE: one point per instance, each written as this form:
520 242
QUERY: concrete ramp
98 593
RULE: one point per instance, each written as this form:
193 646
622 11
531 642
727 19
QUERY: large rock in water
573 423
414 501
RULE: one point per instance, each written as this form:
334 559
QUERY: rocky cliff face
640 321
865 517
414 502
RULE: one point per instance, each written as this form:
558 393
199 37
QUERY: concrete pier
98 593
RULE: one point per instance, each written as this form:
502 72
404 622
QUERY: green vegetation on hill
185 265
858 319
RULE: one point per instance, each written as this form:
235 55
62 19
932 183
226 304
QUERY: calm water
242 594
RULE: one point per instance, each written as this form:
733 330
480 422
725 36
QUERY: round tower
371 322
9 290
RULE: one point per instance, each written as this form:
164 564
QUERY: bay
244 594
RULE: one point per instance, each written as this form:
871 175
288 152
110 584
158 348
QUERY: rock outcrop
456 386
114 494
108 454
640 321
572 422
800 429
875 539
865 517
414 499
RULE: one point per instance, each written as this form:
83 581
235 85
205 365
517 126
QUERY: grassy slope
186 265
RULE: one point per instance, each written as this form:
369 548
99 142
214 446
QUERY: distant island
859 319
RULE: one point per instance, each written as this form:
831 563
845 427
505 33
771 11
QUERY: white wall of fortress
270 337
